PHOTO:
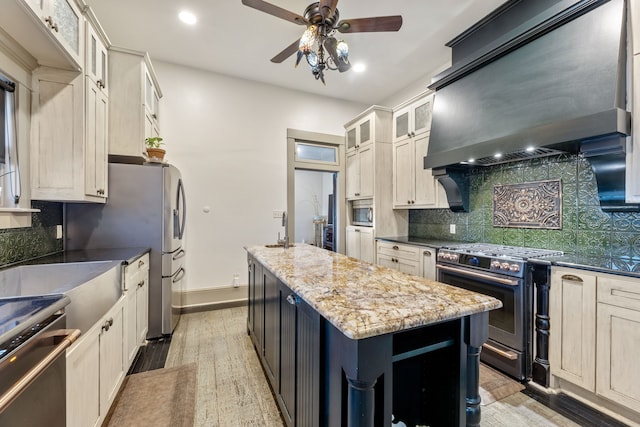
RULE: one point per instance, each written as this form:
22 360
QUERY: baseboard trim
213 298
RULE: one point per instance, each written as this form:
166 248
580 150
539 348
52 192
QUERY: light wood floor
232 389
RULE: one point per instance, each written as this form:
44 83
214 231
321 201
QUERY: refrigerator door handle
178 226
179 275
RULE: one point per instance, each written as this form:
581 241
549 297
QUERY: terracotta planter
156 154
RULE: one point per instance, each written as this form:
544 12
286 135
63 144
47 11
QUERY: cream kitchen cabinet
366 166
360 244
360 172
413 186
618 341
95 369
413 117
133 104
136 290
572 309
50 30
404 258
428 259
594 337
66 164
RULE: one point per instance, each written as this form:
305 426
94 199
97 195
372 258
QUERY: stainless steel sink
278 245
93 287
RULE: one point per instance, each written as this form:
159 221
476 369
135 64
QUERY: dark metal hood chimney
535 78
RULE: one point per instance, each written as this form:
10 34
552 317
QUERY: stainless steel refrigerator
145 208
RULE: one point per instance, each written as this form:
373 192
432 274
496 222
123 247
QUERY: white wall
229 137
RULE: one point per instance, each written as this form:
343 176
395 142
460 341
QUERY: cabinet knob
141 284
357 230
427 253
292 299
141 263
396 247
413 134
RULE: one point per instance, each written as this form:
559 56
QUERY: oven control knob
454 257
514 268
505 266
495 265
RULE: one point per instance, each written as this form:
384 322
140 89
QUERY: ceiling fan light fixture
308 39
342 48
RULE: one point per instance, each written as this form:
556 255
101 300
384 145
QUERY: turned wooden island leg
361 402
477 333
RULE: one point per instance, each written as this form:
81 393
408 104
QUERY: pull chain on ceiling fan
318 44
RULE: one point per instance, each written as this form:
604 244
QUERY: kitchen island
344 342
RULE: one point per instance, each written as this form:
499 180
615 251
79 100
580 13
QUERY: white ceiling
233 39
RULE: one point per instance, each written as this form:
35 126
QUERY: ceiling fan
318 44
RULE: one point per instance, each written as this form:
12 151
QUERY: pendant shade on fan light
317 43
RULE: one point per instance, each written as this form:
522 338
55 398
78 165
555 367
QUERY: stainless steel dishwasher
33 340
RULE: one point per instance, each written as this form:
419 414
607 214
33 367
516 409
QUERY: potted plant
154 152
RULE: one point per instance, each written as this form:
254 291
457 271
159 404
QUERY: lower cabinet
360 243
95 369
595 338
289 348
404 258
136 291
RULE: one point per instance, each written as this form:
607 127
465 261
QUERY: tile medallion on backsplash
528 205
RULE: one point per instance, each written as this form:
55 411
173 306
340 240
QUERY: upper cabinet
70 125
134 104
50 30
412 118
413 186
366 137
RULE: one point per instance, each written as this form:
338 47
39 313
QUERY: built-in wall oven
33 340
498 271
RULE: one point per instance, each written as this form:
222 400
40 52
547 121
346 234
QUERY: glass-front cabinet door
422 116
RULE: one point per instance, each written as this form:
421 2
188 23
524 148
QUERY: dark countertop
418 241
126 255
624 266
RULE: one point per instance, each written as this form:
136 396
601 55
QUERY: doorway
315 189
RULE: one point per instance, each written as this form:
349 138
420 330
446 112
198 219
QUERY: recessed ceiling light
359 67
497 155
530 149
187 17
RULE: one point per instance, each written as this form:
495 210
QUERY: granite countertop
364 300
126 255
418 241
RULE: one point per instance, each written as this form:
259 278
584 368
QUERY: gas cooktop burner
493 250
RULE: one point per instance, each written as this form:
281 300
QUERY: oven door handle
67 337
502 281
506 354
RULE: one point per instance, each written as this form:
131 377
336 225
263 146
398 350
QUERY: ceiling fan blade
363 25
327 8
274 10
287 52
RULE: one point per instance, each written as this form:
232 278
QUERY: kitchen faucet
285 224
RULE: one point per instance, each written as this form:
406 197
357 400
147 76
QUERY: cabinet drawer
622 292
132 270
406 252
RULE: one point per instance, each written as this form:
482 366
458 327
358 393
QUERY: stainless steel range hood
534 78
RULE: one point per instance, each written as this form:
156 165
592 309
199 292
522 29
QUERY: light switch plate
277 214
452 228
58 231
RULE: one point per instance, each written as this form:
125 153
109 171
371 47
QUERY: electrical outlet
452 228
58 232
277 214
236 280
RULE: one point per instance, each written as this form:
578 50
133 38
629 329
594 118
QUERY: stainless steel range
499 271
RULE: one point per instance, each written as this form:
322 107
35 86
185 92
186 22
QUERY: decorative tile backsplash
586 229
528 205
21 244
